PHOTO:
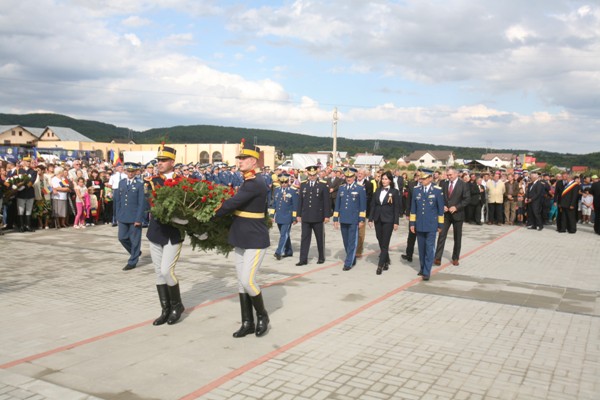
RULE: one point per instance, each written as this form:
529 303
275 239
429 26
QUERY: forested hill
286 141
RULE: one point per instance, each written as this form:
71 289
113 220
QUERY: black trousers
383 231
457 228
534 214
569 219
597 218
410 244
559 220
495 213
307 229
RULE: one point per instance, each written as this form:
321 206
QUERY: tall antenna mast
335 120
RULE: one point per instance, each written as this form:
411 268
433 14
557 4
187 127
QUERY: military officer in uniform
314 209
250 237
129 203
165 246
426 220
285 206
350 213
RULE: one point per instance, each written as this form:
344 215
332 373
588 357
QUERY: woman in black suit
385 212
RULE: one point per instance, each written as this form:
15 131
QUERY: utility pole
335 120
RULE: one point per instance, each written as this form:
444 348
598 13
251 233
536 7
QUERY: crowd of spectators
79 193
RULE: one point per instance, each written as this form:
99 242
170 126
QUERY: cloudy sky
488 73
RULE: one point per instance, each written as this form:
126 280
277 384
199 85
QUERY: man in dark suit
457 196
314 209
129 202
534 198
595 191
560 186
412 237
334 182
568 205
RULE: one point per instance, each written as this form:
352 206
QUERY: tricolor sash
569 187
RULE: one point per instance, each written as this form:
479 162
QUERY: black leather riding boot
28 227
262 318
165 304
176 305
247 316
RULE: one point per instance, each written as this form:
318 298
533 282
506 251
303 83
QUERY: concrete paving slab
514 320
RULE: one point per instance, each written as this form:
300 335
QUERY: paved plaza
519 318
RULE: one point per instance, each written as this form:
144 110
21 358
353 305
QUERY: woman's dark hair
390 177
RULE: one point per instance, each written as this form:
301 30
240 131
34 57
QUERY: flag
111 155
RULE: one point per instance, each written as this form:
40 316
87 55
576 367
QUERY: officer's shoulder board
304 181
323 181
437 187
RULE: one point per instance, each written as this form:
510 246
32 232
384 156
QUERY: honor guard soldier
285 206
314 209
250 237
426 220
130 203
165 247
350 213
26 195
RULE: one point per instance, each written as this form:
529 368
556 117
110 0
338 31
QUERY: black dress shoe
128 267
407 258
277 256
299 264
425 278
386 266
320 261
420 273
379 269
346 268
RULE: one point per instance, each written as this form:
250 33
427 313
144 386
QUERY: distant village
65 143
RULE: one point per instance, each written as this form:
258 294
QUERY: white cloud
135 21
133 39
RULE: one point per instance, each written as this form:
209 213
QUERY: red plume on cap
242 143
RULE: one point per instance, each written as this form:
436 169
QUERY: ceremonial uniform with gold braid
350 210
285 206
427 216
249 235
165 247
128 200
313 208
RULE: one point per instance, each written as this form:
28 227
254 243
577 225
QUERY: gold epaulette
323 181
437 187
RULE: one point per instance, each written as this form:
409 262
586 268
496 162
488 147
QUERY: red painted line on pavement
267 357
